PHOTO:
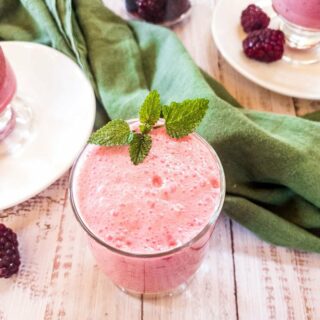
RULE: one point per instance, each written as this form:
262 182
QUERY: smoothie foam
155 206
304 13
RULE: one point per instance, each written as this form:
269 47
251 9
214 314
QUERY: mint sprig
181 119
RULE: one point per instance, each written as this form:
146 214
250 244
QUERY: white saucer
300 81
63 108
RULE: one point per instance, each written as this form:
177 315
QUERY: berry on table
265 45
254 18
9 253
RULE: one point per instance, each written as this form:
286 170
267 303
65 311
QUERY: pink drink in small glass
7 91
304 13
149 224
300 22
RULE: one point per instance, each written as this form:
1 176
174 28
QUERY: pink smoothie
149 209
305 13
7 82
7 91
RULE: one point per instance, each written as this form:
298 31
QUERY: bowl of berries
166 12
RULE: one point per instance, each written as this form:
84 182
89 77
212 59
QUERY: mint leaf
140 146
151 108
183 118
114 133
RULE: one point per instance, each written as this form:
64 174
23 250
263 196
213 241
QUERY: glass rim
297 26
213 217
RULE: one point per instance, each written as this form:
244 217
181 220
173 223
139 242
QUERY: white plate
63 106
301 81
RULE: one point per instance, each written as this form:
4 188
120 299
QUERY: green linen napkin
272 162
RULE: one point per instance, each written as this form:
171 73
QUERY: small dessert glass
165 12
15 116
300 22
155 274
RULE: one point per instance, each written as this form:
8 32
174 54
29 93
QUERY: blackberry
254 18
9 253
152 10
265 45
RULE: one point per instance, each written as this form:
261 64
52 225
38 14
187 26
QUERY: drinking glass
161 273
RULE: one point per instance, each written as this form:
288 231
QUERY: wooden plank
306 106
273 282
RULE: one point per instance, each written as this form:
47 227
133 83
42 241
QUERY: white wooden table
243 277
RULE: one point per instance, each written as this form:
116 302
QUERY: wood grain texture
242 278
273 282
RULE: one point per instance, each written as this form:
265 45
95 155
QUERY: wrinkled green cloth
272 162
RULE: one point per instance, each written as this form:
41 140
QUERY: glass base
21 131
183 17
302 56
302 44
149 295
299 37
